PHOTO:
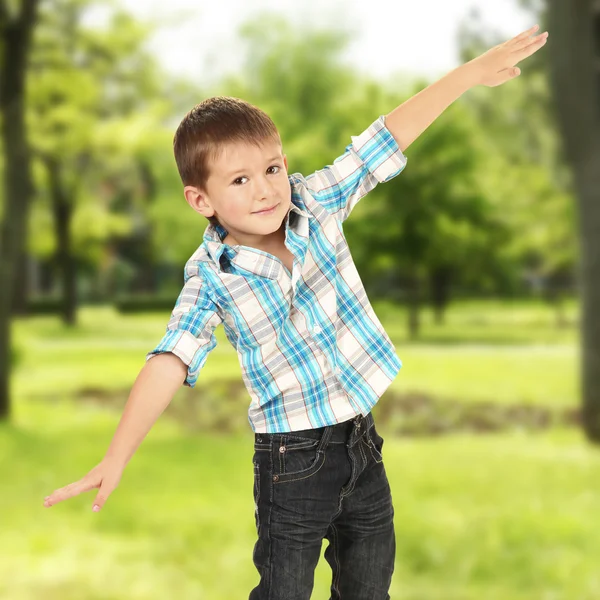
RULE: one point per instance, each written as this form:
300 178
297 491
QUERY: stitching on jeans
257 499
265 447
300 445
320 456
322 459
362 450
375 452
351 488
336 579
270 543
283 456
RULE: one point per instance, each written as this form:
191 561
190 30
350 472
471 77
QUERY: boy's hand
106 476
497 65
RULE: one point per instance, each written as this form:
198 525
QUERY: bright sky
198 39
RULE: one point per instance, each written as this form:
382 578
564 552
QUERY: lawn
487 351
506 516
499 516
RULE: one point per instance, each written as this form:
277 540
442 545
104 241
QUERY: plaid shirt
311 349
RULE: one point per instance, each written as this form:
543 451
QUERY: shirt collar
215 234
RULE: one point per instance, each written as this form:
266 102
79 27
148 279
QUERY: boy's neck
273 240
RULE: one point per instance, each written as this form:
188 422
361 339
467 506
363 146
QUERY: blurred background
481 260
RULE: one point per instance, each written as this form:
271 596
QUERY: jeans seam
375 453
349 490
257 475
362 451
269 541
336 579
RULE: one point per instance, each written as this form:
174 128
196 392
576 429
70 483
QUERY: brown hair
209 125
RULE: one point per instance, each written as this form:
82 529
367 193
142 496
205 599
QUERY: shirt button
316 329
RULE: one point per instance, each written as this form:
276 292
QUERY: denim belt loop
327 433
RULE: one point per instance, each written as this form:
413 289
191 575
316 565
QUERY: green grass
487 351
498 517
508 516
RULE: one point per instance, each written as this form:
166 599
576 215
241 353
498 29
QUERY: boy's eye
235 182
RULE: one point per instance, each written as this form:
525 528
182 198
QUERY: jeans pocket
296 458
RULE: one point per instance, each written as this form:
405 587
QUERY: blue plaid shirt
311 349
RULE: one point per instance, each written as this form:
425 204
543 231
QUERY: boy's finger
102 496
534 41
528 50
525 34
73 489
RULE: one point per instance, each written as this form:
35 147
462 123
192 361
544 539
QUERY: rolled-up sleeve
190 330
373 157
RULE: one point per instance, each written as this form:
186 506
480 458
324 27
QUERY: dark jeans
323 483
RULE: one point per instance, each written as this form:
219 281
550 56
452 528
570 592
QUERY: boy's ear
198 200
285 161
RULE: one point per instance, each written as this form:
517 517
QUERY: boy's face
245 179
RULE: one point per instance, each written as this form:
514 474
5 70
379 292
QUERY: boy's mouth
267 211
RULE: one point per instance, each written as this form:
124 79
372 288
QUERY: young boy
275 269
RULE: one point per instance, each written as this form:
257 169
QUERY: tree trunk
575 81
62 207
589 207
15 41
21 282
413 293
439 280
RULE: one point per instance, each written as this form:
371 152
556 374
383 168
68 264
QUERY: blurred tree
574 53
17 22
443 227
318 103
523 140
82 78
298 78
572 61
450 234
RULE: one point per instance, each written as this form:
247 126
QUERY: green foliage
44 305
95 106
139 303
483 196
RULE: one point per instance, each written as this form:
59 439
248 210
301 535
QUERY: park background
470 258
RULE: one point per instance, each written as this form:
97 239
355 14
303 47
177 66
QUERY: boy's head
230 159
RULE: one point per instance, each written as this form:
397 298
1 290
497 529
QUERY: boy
275 269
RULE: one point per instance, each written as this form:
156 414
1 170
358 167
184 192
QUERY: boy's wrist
467 75
115 460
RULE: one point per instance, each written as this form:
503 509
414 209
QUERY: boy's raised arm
494 67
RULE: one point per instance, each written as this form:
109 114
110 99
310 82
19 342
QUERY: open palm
497 65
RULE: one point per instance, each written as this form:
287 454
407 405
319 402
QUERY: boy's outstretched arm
494 67
150 395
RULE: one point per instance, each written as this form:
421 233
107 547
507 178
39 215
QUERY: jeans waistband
340 432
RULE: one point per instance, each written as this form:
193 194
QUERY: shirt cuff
379 151
187 347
